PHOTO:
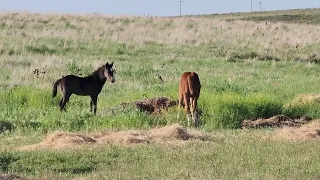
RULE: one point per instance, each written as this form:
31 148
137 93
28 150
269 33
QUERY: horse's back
72 83
71 77
194 86
195 83
70 80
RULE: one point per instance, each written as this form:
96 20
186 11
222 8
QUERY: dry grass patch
306 132
49 40
174 134
304 99
275 121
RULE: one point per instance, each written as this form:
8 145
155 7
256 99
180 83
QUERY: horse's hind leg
187 108
60 103
179 105
195 112
65 99
192 110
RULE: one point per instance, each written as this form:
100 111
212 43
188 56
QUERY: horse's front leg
94 99
91 104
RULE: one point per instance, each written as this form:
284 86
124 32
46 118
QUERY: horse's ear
111 64
107 64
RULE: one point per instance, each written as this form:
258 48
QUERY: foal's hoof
63 110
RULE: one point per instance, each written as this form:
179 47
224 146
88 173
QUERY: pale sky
151 7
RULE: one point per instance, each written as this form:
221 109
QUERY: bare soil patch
275 121
10 177
153 105
173 134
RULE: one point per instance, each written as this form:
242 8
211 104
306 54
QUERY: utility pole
260 2
251 5
180 6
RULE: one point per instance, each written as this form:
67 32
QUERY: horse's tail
55 87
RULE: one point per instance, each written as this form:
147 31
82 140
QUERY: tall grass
228 110
243 67
29 108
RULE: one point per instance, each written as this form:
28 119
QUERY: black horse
90 85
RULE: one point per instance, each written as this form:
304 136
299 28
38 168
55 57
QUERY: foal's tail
55 87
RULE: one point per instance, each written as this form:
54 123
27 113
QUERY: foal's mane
97 71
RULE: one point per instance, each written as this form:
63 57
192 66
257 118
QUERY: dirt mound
157 135
154 105
10 177
305 132
275 121
174 133
304 99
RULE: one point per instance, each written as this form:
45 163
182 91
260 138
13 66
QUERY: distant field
248 70
297 16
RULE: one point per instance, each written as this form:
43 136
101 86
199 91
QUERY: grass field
296 16
248 70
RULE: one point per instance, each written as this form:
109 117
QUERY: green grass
247 70
233 92
232 155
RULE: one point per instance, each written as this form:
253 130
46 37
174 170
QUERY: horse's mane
97 71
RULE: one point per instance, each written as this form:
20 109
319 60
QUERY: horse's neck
97 78
101 81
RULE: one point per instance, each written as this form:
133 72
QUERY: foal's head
109 72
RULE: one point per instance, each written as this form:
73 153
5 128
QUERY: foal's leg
60 104
179 105
195 112
91 104
192 109
94 99
65 99
187 108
